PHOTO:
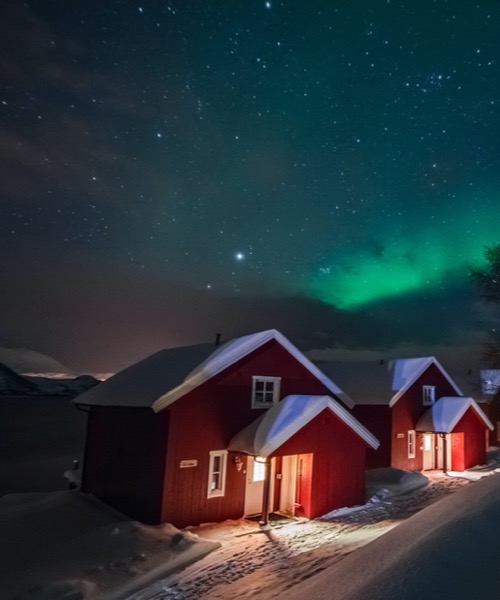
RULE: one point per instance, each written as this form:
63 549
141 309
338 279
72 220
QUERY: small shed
461 424
317 430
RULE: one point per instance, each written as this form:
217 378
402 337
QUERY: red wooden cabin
402 403
159 434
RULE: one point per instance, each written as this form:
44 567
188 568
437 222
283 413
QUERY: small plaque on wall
187 464
400 435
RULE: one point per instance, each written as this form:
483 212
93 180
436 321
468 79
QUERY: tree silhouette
486 277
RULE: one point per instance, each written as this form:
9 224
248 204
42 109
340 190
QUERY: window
259 470
428 394
411 443
498 430
217 473
265 391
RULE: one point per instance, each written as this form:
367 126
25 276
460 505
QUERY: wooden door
457 452
428 452
254 489
303 485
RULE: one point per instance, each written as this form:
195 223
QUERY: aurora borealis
172 169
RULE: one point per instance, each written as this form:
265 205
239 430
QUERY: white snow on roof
382 382
144 382
166 376
443 415
233 351
490 381
405 371
272 429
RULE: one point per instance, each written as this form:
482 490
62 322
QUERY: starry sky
172 169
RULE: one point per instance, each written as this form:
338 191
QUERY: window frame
220 490
412 443
428 395
276 381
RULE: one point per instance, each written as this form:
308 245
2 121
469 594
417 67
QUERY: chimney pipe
217 338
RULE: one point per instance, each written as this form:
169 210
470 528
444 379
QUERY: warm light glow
260 459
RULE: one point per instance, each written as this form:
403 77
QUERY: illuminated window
217 473
498 430
259 471
411 443
428 395
265 391
427 442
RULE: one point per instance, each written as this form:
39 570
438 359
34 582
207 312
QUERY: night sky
172 169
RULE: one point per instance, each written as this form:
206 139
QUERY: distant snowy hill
13 384
22 360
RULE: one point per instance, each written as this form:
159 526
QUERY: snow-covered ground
62 544
67 545
252 563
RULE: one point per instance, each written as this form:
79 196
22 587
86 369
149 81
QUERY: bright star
239 256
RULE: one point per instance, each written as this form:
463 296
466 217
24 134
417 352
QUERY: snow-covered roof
237 349
382 382
278 424
490 381
443 415
405 371
166 376
141 384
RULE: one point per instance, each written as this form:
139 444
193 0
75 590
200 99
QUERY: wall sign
187 464
400 435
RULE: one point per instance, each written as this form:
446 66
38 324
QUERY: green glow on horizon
428 258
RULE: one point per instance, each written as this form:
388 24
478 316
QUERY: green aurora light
427 259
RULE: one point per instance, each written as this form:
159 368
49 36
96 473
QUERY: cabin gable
207 418
405 414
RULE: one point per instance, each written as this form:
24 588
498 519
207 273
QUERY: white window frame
428 395
412 443
219 489
275 393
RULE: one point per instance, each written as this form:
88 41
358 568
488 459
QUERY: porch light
260 459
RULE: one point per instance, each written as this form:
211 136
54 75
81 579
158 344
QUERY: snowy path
253 563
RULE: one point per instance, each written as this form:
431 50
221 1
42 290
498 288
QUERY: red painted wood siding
493 413
124 460
406 413
338 464
207 418
303 486
377 419
474 439
457 452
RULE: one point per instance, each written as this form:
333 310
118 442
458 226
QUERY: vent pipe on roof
217 338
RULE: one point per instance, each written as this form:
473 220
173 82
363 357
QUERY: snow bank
390 482
448 550
67 545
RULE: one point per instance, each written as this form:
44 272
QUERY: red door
303 485
457 452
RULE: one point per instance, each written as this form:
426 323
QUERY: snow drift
448 550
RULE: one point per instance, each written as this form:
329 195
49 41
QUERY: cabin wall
124 460
338 463
377 419
207 419
406 413
492 411
473 429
